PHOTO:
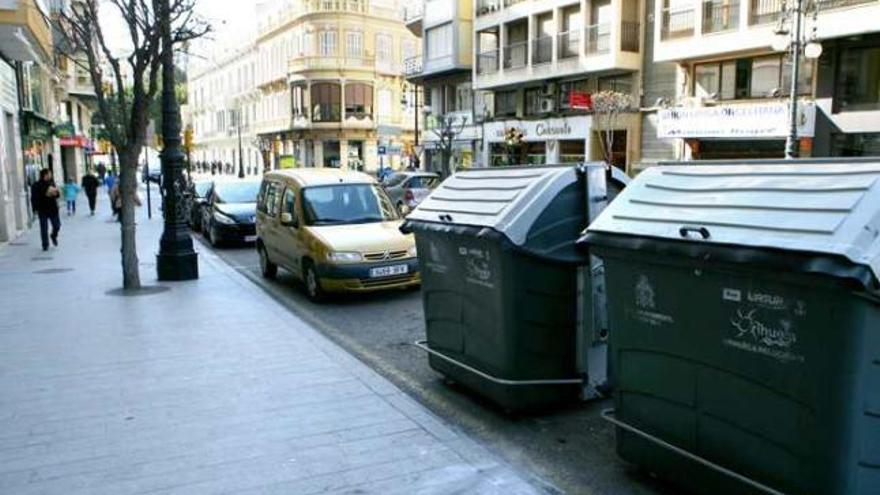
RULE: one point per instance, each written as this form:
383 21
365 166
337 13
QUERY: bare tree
447 128
607 107
125 85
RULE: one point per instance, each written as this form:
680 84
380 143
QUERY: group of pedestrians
45 195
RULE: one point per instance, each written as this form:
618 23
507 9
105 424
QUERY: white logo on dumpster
477 266
435 259
647 304
752 333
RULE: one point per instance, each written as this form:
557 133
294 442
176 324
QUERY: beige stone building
331 88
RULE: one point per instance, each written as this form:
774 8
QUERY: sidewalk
208 387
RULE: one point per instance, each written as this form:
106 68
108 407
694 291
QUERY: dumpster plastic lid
507 200
831 209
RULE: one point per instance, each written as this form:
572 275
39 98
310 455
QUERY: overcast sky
233 21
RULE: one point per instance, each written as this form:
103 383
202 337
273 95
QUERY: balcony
542 50
487 62
412 67
413 15
717 28
317 63
720 15
597 39
677 22
25 31
516 55
765 11
568 44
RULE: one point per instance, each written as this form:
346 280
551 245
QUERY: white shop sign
540 130
763 120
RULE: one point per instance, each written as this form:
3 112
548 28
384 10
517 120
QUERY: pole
791 142
177 260
147 182
240 152
416 161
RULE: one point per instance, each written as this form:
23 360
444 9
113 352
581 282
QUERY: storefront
548 141
746 131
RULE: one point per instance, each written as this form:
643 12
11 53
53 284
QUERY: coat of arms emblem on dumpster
644 293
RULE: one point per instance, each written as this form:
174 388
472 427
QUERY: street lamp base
177 267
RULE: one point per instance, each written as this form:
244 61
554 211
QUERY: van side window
288 204
271 205
261 197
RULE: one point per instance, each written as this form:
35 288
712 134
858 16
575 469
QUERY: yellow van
335 230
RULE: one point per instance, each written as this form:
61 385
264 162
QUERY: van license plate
250 238
389 271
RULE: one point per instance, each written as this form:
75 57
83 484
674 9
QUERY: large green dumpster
745 326
499 270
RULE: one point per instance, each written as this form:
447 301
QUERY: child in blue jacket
71 191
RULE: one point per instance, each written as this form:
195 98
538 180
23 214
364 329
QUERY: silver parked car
408 189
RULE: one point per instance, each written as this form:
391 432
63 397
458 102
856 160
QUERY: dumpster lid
831 209
507 200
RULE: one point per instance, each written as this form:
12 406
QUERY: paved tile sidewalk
209 387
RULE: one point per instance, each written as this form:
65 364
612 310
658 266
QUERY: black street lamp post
240 150
177 260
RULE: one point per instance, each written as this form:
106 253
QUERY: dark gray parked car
408 189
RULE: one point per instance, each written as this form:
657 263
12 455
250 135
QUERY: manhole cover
41 258
49 271
148 290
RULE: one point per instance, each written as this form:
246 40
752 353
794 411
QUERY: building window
358 100
299 102
409 50
858 82
354 45
439 42
533 101
326 102
505 103
383 48
759 77
384 104
621 84
464 97
331 153
327 43
566 89
867 144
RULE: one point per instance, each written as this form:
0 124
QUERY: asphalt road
571 450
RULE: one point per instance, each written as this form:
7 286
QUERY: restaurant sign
762 120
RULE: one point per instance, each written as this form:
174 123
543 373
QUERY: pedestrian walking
90 185
44 202
71 191
116 200
102 171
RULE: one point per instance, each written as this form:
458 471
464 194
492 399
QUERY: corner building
330 74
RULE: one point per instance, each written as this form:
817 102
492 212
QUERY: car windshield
394 180
341 204
424 182
202 188
236 192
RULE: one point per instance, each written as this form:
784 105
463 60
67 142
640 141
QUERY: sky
233 23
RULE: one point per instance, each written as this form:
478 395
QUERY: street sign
382 150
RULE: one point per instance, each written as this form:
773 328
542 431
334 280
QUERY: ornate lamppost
177 260
790 36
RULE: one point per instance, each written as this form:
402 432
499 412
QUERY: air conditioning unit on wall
548 105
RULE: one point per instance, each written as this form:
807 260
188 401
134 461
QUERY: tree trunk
128 161
445 158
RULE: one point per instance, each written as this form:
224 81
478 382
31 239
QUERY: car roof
321 176
419 174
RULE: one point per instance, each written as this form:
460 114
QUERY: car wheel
267 268
212 236
312 283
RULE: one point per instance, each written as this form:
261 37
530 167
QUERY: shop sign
77 141
580 100
65 130
540 130
762 120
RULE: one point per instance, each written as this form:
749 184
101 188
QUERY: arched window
326 102
358 100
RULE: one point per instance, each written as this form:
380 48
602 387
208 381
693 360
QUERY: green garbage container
500 283
744 312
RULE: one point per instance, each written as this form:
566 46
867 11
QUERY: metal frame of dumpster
842 279
590 339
